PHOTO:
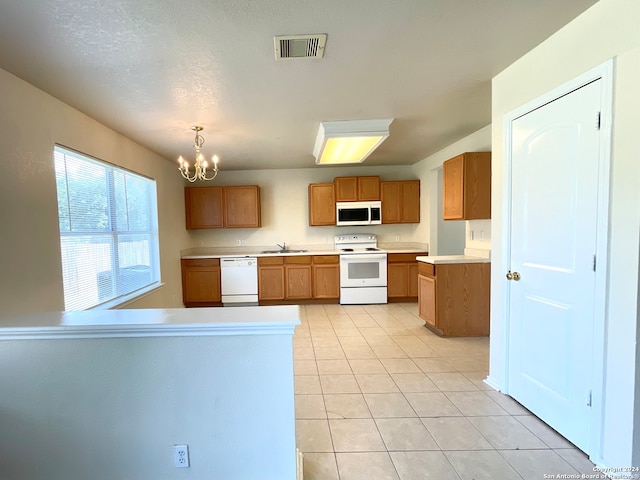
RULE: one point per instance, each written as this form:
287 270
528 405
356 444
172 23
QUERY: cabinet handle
509 275
516 276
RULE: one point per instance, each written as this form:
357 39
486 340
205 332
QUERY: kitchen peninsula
131 384
453 294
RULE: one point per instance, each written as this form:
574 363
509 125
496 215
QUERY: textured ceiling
151 69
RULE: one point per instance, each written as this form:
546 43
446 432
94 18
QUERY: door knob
516 276
509 275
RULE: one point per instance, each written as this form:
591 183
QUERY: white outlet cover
181 456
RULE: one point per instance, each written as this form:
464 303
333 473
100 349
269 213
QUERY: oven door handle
362 256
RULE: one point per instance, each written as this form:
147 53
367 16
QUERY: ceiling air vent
299 46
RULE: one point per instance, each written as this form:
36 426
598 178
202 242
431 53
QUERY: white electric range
363 269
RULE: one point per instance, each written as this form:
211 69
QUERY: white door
555 158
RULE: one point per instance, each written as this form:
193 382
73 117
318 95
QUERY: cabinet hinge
598 121
589 399
594 263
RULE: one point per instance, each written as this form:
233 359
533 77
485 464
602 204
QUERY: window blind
108 231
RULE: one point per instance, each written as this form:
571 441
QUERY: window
108 231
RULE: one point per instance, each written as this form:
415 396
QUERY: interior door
555 158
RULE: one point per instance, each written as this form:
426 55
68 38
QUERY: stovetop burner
346 249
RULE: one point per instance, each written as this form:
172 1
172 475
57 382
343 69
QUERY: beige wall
608 30
427 171
31 122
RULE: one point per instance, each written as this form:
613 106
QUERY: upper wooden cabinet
401 201
218 207
322 204
242 206
466 181
203 207
352 189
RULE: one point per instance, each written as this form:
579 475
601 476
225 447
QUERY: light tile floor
378 396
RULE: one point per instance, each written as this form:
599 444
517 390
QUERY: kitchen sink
283 251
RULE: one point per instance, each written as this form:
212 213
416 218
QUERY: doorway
557 227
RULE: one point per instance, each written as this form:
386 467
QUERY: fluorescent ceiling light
350 141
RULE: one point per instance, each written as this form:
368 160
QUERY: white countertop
453 259
173 322
250 252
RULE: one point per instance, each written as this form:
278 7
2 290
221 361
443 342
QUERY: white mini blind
108 231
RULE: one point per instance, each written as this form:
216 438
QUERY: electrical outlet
181 456
243 242
471 235
397 237
326 240
238 242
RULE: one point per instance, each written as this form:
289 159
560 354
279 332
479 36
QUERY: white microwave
358 213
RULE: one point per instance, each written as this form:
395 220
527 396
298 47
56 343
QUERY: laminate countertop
440 259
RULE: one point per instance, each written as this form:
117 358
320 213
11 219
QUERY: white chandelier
201 165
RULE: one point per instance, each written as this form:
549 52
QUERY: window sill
125 300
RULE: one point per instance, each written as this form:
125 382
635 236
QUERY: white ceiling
151 69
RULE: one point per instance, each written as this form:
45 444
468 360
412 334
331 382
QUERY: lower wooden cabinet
201 282
402 276
298 278
453 298
326 277
270 278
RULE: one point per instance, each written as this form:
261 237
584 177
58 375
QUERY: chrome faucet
283 247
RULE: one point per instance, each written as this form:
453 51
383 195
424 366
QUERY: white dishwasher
239 281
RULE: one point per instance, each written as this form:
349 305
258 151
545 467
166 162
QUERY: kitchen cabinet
284 278
326 277
322 204
402 276
242 206
270 278
352 189
466 186
222 207
453 298
203 207
201 282
298 277
400 201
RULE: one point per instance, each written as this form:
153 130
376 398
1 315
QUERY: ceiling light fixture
349 141
201 165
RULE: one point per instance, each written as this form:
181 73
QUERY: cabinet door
346 189
242 206
466 187
427 299
452 188
410 201
412 280
391 194
326 281
298 282
368 188
203 207
322 204
201 282
397 280
271 282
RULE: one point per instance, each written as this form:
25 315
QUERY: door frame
603 72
